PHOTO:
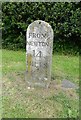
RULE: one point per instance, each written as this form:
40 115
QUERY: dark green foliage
65 19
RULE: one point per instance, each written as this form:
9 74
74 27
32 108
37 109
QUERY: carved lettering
39 54
33 43
37 35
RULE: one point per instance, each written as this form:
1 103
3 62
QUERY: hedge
64 18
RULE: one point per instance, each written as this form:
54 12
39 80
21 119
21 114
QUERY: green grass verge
19 102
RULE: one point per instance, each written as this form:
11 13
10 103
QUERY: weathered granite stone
39 38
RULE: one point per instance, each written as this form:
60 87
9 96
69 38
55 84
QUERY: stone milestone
39 44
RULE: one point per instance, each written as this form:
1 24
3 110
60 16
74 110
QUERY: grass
0 84
66 67
21 102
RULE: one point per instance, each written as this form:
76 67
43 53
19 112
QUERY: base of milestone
32 82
